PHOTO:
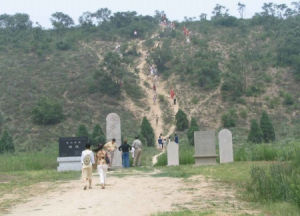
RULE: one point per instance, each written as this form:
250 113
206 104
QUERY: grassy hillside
230 66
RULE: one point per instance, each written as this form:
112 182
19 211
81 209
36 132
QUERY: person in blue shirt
160 141
176 139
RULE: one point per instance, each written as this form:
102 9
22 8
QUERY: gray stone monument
205 147
225 146
173 156
113 130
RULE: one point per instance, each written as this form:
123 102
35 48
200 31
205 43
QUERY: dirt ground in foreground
134 195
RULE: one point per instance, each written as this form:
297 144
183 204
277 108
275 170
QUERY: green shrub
47 111
190 133
241 154
82 131
264 152
243 113
98 137
62 45
288 99
147 132
255 134
6 142
229 119
182 122
267 127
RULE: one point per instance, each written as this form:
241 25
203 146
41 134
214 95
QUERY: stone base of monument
68 164
205 160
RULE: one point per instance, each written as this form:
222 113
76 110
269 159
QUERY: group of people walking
163 141
103 157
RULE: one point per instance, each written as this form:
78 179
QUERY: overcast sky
41 10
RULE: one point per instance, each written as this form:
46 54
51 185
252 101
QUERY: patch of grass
235 173
28 161
184 213
280 209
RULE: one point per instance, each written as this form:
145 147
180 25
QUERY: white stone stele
225 145
172 152
69 164
113 130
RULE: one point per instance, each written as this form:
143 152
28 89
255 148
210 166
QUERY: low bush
229 119
47 111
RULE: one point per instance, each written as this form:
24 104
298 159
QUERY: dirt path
161 89
136 195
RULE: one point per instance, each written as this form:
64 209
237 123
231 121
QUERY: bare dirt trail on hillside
136 195
155 108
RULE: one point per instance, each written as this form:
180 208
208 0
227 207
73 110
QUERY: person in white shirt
87 159
137 145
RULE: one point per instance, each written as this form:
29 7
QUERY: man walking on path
87 161
160 142
125 148
110 147
137 145
164 143
176 139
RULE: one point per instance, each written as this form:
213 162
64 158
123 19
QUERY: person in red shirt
172 93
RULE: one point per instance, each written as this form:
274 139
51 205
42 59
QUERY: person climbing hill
172 94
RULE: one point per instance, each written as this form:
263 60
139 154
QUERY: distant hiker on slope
154 87
172 94
154 98
135 34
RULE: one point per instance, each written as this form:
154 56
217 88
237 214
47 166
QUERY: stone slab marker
205 147
225 145
113 130
172 152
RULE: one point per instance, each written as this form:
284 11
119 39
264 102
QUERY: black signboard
71 146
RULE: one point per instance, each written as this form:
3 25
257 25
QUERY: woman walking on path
125 148
102 165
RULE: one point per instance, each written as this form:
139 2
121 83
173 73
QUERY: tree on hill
98 137
182 122
220 11
60 20
267 127
82 131
18 21
190 133
6 143
147 132
102 15
241 9
255 135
